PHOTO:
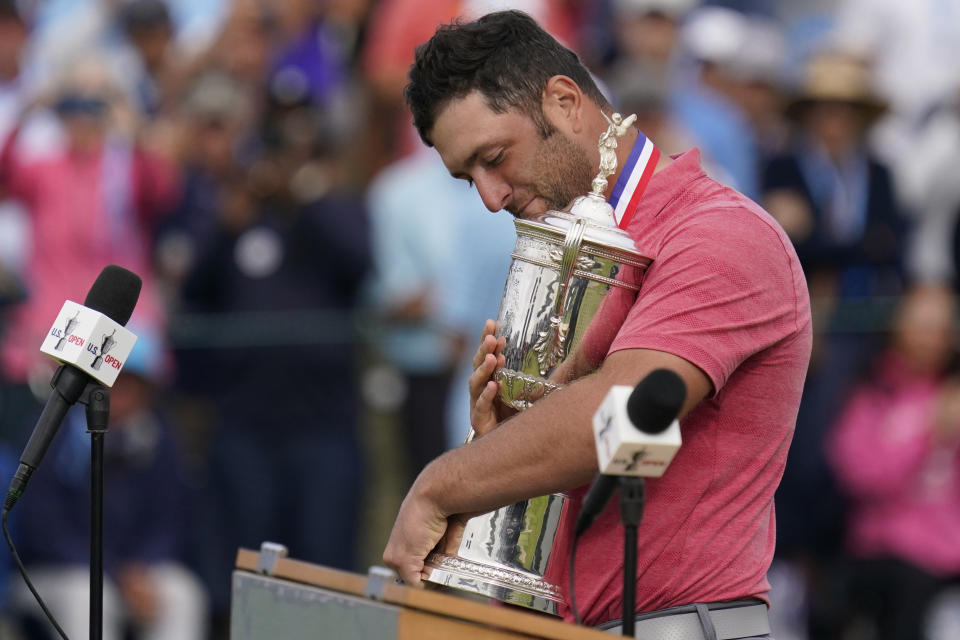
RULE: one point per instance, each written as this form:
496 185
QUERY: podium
278 598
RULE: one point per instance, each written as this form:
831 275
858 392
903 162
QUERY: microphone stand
97 400
632 497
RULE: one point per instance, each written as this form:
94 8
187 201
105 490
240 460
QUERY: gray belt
714 621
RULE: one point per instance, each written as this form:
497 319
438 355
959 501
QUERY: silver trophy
565 266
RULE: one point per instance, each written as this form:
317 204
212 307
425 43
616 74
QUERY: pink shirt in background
725 292
84 216
904 484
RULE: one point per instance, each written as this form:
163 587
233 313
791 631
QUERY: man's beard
563 171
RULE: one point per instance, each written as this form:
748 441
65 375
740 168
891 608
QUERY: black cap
114 293
656 401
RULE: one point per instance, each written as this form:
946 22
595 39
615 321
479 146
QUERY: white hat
715 34
762 52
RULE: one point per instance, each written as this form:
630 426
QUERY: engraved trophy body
566 267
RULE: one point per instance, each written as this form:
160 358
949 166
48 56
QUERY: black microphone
652 407
113 294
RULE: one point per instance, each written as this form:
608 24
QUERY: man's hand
417 530
486 409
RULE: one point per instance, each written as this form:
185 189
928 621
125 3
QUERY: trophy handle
551 345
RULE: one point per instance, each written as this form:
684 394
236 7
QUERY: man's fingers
483 414
488 342
484 403
487 396
409 573
481 376
484 390
411 576
487 345
489 328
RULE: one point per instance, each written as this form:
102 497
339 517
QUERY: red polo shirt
725 292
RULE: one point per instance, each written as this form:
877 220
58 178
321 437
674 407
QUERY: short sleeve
723 286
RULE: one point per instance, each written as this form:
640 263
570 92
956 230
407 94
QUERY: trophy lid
601 233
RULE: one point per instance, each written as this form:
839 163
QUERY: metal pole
629 579
96 536
98 416
632 498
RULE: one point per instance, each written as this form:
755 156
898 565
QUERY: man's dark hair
506 56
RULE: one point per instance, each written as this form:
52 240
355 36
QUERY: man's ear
563 103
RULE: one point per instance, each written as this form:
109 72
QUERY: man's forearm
547 448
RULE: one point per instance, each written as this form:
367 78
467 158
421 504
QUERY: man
724 305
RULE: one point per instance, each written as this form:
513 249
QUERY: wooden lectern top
423 614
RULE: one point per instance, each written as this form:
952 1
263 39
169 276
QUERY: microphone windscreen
114 293
656 401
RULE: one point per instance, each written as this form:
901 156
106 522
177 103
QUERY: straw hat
835 77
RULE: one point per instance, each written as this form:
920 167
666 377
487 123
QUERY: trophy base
506 585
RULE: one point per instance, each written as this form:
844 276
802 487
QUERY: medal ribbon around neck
633 180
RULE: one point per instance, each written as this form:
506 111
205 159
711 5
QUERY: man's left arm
547 448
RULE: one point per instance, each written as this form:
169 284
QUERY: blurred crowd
314 282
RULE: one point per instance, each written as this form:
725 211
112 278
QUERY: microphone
83 338
636 433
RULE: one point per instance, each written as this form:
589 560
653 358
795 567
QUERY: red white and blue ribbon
633 180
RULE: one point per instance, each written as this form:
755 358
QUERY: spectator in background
283 271
440 265
914 51
309 59
215 119
476 284
40 136
645 94
758 70
834 199
91 205
242 49
216 144
136 39
147 588
704 91
896 455
147 26
836 203
646 36
413 211
653 48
